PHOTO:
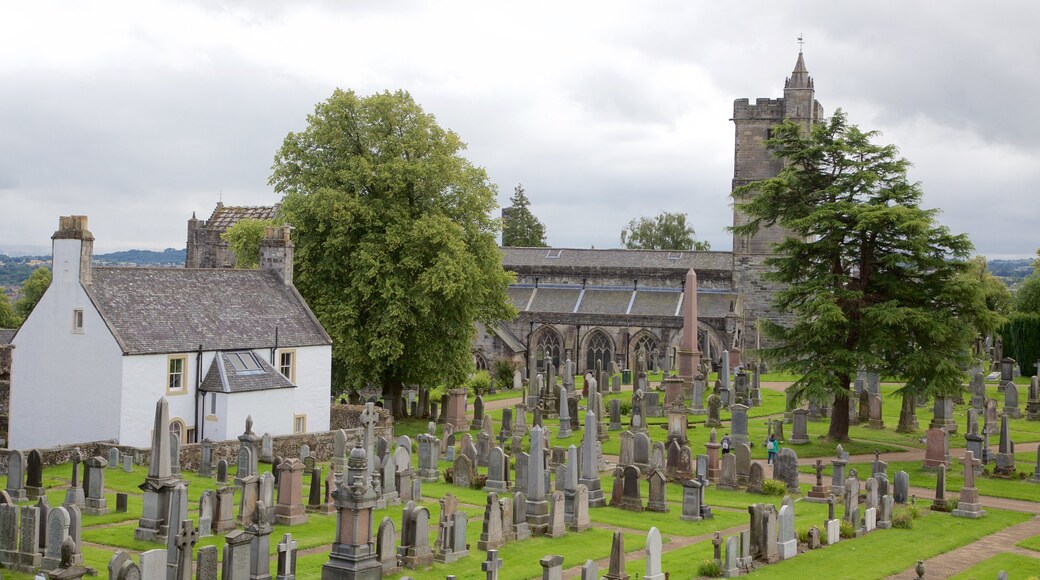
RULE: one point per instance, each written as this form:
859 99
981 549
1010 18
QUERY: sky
139 113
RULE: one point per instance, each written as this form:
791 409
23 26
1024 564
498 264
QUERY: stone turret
753 161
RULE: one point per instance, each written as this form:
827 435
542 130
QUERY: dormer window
77 321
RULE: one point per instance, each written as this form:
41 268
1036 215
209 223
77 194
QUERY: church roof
228 374
225 216
575 258
617 301
164 310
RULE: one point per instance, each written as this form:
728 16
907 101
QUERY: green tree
32 290
243 240
521 229
8 319
395 244
870 279
667 231
998 297
1027 296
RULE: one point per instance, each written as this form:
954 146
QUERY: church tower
753 161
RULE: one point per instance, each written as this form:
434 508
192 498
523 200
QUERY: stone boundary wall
344 417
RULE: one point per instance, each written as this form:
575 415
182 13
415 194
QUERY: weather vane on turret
801 42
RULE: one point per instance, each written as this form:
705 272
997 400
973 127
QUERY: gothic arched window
480 362
598 348
549 347
646 347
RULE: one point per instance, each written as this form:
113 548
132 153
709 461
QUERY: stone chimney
276 252
73 248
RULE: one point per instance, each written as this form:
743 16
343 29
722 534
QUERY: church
590 305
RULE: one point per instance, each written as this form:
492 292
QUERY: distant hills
14 270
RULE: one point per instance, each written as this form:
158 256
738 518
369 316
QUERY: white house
104 344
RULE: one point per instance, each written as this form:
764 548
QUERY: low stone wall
344 417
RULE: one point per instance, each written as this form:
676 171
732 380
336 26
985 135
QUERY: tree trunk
393 391
839 426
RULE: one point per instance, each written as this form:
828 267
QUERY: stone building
611 305
205 249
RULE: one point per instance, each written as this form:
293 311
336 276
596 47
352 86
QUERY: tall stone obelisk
689 352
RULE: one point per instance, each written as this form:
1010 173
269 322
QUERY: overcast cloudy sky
138 113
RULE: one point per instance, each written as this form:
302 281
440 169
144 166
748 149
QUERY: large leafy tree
870 279
32 290
666 231
395 244
243 240
521 229
8 319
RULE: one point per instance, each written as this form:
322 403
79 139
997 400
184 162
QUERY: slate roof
166 310
6 334
511 340
583 257
225 216
615 301
222 377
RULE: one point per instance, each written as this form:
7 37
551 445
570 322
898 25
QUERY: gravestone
969 506
653 555
552 567
631 495
739 424
537 508
206 513
429 455
557 516
589 476
266 448
290 509
491 534
942 415
819 492
498 471
691 503
1011 408
615 415
33 475
728 477
414 550
160 483
16 475
937 449
714 411
520 529
799 427
874 418
785 469
95 503
616 567
222 471
656 499
756 478
463 471
478 413
787 542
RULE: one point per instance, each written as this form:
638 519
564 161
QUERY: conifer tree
871 280
520 228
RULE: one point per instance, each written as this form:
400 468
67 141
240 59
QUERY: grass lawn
1016 565
1007 488
1031 543
901 549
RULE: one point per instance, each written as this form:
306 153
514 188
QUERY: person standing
725 443
772 446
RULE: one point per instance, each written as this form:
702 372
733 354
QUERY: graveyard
632 482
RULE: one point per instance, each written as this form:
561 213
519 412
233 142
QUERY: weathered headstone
785 469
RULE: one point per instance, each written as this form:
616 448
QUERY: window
598 349
77 321
299 424
177 428
213 404
646 347
176 383
549 348
287 364
243 361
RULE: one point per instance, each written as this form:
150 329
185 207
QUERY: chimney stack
73 227
276 252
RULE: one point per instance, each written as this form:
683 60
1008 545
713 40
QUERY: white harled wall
64 386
